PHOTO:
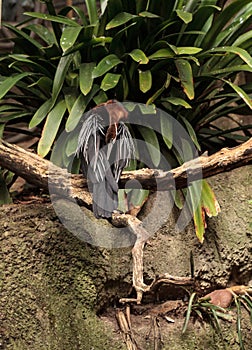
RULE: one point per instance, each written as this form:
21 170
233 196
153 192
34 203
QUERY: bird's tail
105 199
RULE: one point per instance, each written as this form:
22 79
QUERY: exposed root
142 236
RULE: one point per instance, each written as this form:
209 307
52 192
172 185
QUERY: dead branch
202 167
124 324
34 169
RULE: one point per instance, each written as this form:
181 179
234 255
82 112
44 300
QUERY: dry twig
124 324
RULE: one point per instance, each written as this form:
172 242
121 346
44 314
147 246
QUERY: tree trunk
53 284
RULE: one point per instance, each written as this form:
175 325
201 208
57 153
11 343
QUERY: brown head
116 113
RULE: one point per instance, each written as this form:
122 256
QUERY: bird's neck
111 133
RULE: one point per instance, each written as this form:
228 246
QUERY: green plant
205 311
180 56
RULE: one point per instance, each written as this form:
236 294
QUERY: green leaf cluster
181 56
205 311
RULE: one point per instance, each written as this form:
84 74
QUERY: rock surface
53 284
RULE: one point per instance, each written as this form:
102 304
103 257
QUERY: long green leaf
44 83
199 223
239 326
152 144
8 83
58 19
243 54
176 101
191 132
186 77
120 19
145 80
237 26
185 50
8 107
246 98
229 69
43 32
162 54
71 144
209 201
86 79
28 39
106 64
221 20
159 92
25 59
55 26
188 312
60 75
110 81
76 113
41 113
51 128
167 129
10 116
243 38
148 14
70 96
193 199
92 11
216 321
79 108
185 16
139 56
69 36
246 299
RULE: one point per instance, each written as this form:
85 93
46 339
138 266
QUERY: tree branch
202 167
34 169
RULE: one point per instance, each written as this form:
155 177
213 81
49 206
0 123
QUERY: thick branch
202 167
34 169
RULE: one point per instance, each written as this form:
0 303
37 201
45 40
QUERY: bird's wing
125 150
93 151
89 144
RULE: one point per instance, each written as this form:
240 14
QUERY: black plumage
105 147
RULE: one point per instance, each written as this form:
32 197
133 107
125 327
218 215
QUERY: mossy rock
53 284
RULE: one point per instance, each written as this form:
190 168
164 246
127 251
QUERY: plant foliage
213 314
180 56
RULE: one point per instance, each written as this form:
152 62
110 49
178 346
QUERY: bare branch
34 169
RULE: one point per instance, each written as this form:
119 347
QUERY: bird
105 147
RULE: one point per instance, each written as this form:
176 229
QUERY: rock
53 284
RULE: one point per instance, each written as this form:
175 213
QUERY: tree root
142 236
